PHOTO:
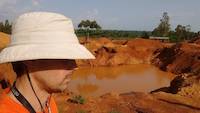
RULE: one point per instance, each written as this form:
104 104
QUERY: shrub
78 99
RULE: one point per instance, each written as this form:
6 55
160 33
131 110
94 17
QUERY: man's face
52 75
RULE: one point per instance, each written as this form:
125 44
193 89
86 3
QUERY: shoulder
7 105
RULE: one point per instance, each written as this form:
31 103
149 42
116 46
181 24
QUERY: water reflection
100 80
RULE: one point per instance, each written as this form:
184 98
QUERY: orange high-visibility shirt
8 105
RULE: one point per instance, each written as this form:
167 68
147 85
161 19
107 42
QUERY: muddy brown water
121 79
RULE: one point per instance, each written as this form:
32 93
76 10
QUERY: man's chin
58 90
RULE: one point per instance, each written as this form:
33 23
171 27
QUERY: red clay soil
113 53
4 40
198 41
133 102
179 58
6 71
181 97
195 40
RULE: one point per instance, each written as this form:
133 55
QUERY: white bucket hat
43 35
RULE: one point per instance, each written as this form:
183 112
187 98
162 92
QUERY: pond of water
97 81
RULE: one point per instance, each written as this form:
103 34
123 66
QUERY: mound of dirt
186 85
179 58
121 52
195 40
4 40
6 71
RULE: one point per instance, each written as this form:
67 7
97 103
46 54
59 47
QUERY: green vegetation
163 28
5 27
181 32
78 99
86 26
113 34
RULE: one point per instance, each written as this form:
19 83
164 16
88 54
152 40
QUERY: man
42 51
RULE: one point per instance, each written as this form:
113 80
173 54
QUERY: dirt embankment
179 58
195 40
182 59
182 95
4 40
176 58
120 52
6 71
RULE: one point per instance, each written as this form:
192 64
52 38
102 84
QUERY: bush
78 99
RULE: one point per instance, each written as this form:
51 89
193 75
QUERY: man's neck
24 87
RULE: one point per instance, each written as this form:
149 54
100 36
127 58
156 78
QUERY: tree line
91 28
180 33
6 27
114 34
88 28
163 29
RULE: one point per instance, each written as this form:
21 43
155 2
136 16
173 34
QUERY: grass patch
78 99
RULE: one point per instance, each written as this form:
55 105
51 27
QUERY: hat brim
44 51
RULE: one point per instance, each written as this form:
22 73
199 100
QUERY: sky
112 14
